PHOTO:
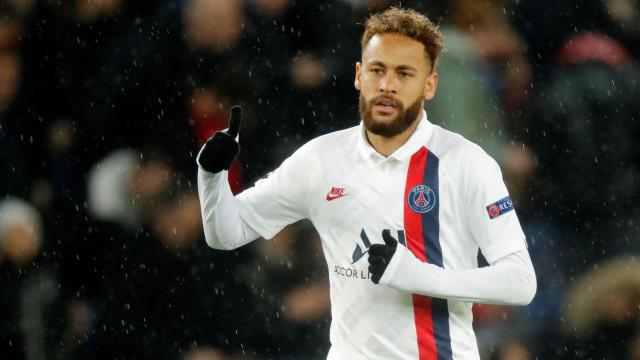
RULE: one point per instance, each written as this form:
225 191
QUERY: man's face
394 79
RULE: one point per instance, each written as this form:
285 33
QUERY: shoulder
332 138
328 144
324 148
461 156
455 147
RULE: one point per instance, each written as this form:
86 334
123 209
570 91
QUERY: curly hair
409 23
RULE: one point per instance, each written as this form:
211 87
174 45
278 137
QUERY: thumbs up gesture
380 255
218 152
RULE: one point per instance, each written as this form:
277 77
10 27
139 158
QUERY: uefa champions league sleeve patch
500 207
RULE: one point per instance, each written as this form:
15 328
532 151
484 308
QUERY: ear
430 86
356 82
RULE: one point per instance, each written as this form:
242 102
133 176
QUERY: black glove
218 152
380 255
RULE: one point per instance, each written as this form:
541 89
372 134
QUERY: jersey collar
414 143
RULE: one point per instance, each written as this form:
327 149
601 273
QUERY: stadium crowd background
104 103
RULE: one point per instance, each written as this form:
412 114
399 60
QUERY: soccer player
402 207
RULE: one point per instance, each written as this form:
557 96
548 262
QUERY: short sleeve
490 214
279 199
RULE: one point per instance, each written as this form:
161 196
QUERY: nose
388 83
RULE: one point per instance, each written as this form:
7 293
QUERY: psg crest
421 199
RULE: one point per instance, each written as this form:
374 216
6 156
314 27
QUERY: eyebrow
401 67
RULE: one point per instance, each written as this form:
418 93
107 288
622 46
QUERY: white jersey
441 196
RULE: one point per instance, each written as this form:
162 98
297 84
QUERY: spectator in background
203 45
10 27
267 22
623 16
123 187
57 191
547 24
291 294
21 230
29 289
602 320
497 41
303 46
220 68
81 79
12 156
22 8
78 243
130 98
466 102
109 54
218 34
204 353
62 47
161 292
485 75
217 46
513 350
16 114
585 136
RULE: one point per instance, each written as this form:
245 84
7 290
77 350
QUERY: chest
360 193
354 201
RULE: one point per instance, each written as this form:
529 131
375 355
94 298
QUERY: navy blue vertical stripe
431 234
401 238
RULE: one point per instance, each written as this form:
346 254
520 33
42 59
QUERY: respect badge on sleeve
500 207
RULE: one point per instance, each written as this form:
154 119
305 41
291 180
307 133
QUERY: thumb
388 239
235 115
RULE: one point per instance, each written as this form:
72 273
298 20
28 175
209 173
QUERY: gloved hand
218 152
380 255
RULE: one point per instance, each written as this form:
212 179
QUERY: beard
402 120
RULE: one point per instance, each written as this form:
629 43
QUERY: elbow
528 293
213 241
528 289
212 233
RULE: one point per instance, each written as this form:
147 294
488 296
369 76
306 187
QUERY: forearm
509 281
224 229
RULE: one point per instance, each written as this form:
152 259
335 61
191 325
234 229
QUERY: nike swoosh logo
333 197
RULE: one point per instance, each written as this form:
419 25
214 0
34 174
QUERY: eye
404 74
377 71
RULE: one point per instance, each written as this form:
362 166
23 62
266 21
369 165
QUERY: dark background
104 104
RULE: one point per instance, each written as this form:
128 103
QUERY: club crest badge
421 199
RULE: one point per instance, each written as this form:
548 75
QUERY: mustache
386 98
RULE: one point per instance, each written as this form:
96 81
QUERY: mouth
385 105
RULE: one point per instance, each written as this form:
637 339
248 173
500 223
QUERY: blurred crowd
104 104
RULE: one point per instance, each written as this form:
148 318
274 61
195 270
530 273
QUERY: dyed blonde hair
409 23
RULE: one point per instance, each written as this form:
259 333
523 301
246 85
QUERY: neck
386 146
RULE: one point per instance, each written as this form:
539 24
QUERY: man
418 199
